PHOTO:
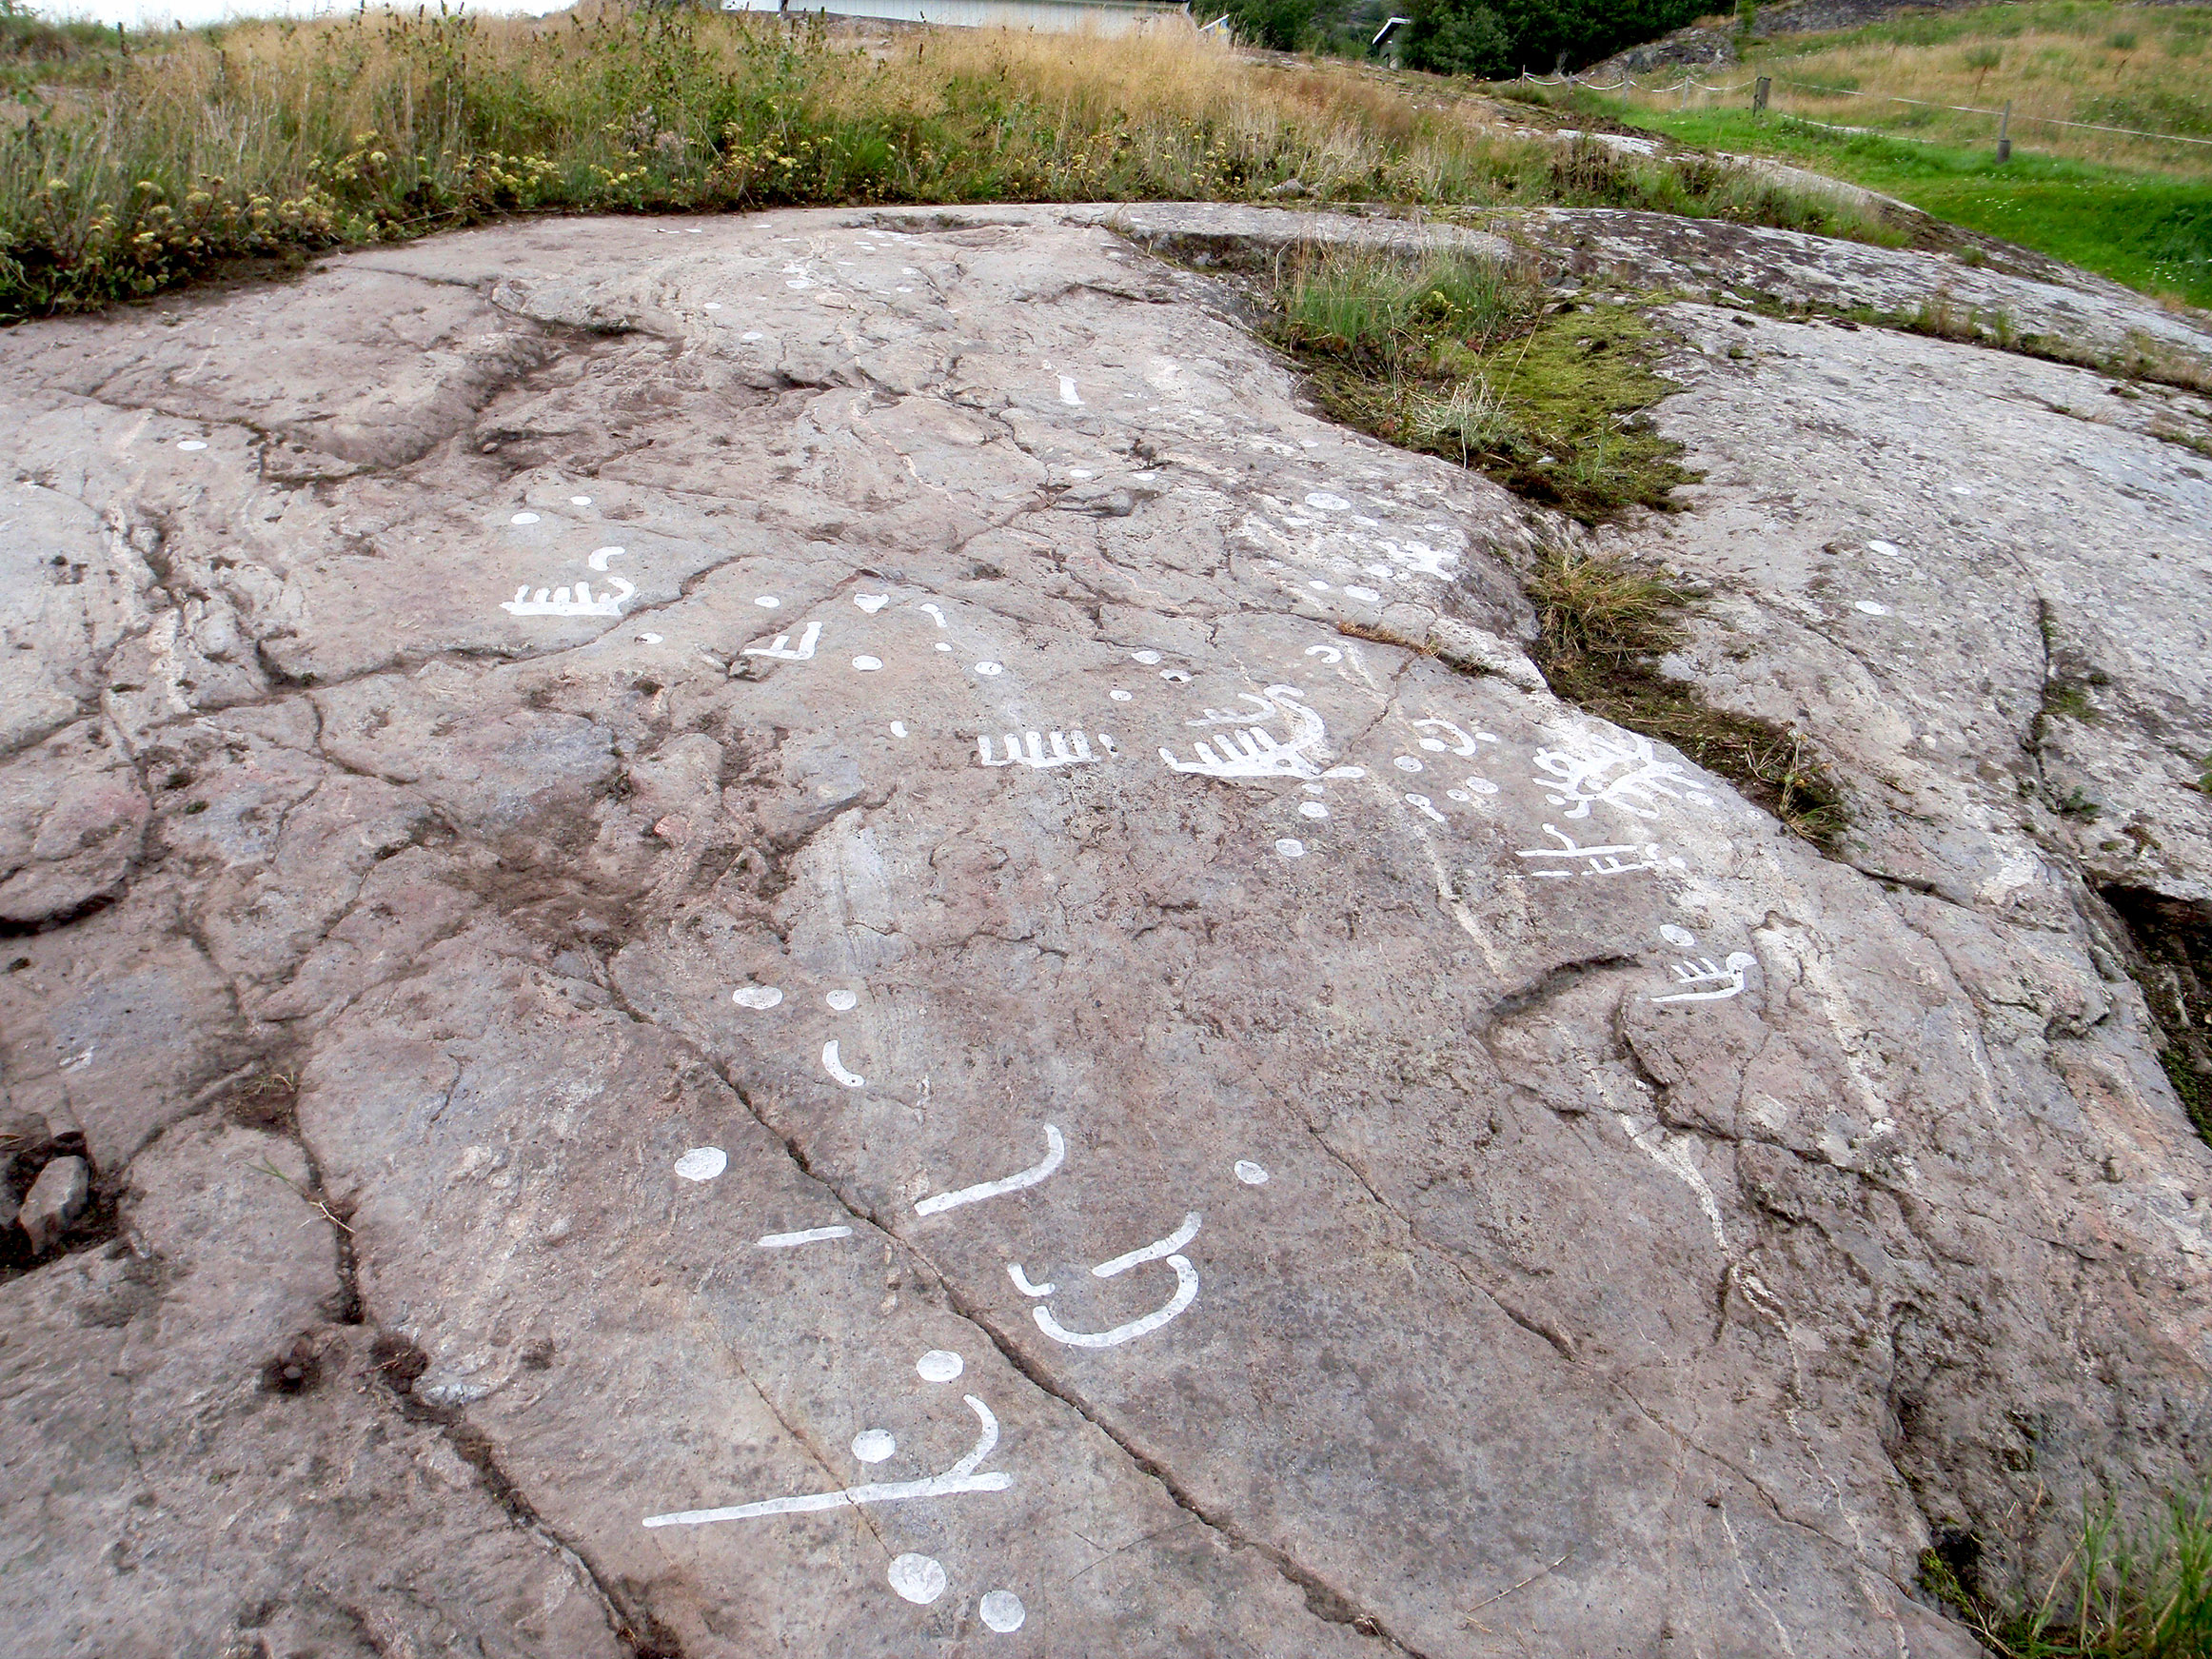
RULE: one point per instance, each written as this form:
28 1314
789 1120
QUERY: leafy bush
1282 24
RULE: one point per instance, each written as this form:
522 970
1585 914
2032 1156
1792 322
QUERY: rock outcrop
745 967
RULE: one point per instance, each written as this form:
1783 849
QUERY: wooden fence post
1759 93
2004 132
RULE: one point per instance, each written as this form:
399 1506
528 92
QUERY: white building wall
1101 17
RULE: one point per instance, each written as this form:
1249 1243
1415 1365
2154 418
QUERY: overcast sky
161 14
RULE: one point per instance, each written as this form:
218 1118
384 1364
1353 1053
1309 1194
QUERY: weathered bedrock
741 966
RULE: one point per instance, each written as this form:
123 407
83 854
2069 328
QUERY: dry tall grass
137 169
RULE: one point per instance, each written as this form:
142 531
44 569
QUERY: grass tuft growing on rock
1465 358
1602 623
2121 1592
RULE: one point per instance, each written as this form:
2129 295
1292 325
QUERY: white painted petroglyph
1453 740
1175 677
1311 809
713 305
1148 658
1327 653
192 444
752 334
898 728
1035 756
1326 503
768 602
580 500
1703 975
1291 847
1021 1282
871 603
940 1365
1253 752
936 612
781 650
867 664
1886 549
1482 786
1597 861
1120 695
1680 938
808 1235
1152 1251
873 1445
1068 393
1318 586
831 1065
1251 1175
1345 772
524 518
1365 594
1459 795
1002 1611
562 602
1621 771
917 1578
1407 764
702 1163
1186 1292
599 556
1872 608
648 638
1056 1155
1421 557
960 1477
1423 805
843 1001
756 995
990 670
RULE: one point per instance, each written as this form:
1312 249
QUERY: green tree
1282 24
1458 37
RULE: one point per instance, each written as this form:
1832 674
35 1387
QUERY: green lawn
2151 230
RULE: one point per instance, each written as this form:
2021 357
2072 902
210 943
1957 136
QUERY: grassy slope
2151 231
2133 209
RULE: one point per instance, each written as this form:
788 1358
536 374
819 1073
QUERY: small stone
54 1202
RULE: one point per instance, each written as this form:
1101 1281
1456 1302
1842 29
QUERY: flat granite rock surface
748 967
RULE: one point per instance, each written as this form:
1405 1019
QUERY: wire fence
1685 82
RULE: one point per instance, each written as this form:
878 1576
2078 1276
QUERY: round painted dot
702 1163
1318 586
1482 786
1870 607
1328 504
873 1445
1435 746
867 664
1081 472
918 1578
1407 764
1311 809
714 304
938 1366
1119 695
648 638
1680 938
1365 594
942 647
1147 658
580 500
1457 795
988 669
752 334
843 1002
756 995
1291 847
524 518
1175 677
1887 549
1250 1173
898 728
1001 1609
767 602
193 444
1345 772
